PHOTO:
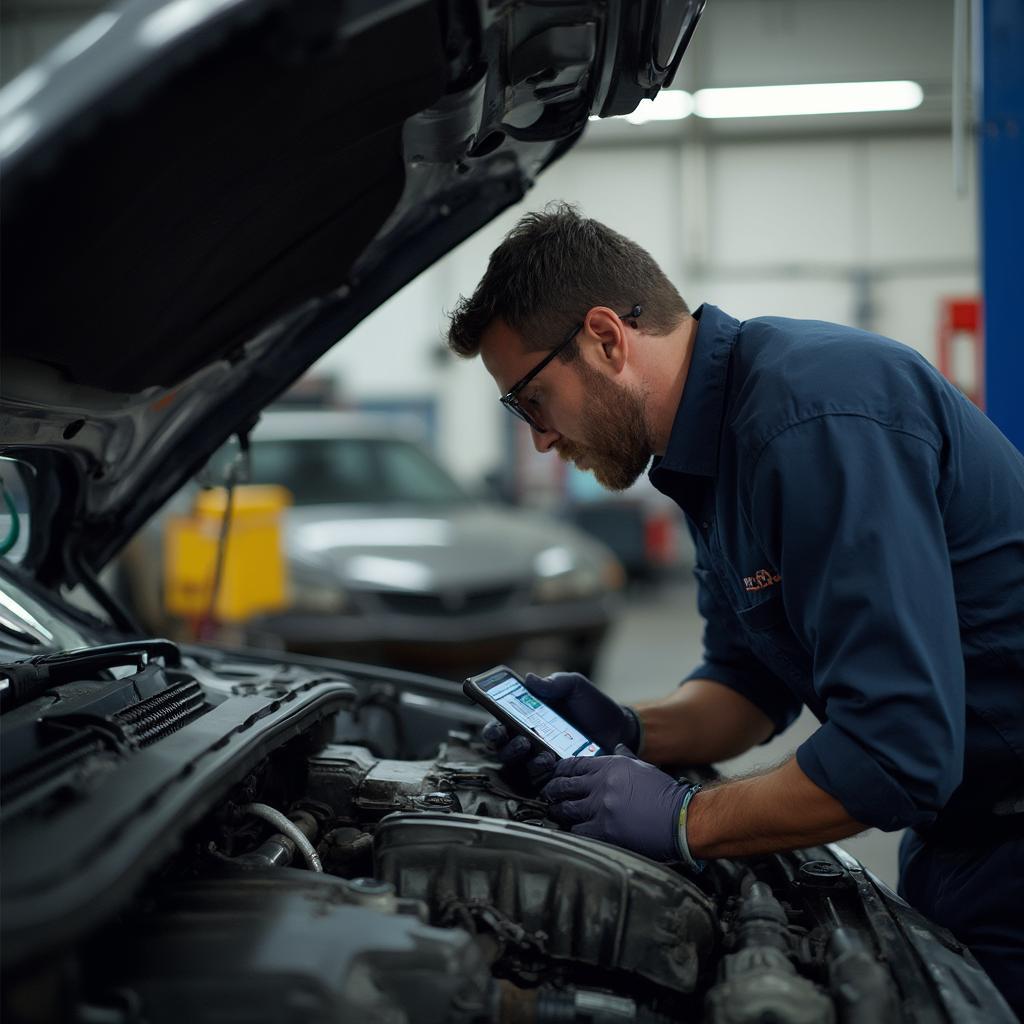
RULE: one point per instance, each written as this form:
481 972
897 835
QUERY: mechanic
859 529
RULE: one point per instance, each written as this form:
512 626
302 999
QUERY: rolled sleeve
858 538
838 764
729 661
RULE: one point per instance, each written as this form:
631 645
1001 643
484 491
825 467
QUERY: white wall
804 227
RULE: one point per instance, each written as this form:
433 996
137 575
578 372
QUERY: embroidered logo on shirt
761 580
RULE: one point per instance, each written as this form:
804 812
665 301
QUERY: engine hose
288 828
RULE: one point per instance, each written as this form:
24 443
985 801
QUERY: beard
616 447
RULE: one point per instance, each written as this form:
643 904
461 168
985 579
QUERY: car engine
211 837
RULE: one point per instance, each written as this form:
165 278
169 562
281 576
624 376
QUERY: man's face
593 420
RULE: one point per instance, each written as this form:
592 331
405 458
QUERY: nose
544 440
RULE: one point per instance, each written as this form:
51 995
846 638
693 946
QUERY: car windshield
327 471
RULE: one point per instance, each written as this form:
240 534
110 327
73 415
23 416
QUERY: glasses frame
511 397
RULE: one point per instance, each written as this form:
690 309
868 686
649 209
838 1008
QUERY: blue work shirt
859 528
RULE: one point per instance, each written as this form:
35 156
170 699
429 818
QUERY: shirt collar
693 444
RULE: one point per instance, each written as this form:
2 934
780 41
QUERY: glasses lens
513 406
535 423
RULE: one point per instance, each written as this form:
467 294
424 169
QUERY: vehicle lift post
999 84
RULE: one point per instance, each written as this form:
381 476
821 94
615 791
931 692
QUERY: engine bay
208 837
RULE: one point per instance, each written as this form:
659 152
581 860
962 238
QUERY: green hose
15 531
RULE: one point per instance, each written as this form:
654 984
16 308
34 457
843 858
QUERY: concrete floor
656 642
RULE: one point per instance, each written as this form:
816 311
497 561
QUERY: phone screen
513 698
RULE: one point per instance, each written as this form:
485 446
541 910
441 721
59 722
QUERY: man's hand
581 704
618 799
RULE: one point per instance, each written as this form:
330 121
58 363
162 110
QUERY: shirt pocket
773 641
763 616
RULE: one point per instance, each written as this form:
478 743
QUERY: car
199 199
392 561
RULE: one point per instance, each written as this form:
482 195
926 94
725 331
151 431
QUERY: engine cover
288 945
570 898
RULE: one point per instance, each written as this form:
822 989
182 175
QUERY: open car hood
203 196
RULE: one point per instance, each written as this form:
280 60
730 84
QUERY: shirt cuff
765 692
836 763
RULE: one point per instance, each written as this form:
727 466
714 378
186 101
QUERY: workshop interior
259 524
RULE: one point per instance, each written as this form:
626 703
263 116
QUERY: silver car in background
391 560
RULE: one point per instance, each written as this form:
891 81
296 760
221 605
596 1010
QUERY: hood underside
200 198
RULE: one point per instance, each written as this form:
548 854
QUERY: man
859 529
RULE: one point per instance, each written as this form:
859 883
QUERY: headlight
581 582
561 577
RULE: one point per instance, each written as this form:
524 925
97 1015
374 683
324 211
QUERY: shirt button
704 526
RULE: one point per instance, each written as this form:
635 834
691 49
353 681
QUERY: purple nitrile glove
619 799
580 703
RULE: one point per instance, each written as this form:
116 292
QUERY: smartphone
501 692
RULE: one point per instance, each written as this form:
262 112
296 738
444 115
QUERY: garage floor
656 642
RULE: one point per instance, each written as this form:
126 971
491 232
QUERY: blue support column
1002 211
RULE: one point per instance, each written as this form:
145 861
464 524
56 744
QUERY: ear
610 336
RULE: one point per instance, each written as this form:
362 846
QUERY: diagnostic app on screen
539 719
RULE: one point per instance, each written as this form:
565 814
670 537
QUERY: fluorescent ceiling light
792 100
668 105
777 101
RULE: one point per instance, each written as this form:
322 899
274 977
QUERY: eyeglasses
511 398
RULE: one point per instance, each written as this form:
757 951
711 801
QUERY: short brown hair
553 267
